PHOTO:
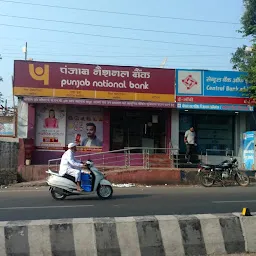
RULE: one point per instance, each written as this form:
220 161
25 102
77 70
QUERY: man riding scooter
69 165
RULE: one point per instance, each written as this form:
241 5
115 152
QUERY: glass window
215 132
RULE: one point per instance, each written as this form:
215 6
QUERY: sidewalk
39 183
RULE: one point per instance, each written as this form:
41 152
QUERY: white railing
217 155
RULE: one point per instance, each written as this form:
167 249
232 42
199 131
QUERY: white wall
22 125
240 128
175 128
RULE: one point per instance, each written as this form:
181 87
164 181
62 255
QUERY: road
32 203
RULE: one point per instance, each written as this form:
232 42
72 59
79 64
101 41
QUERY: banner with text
228 107
216 87
68 80
85 127
7 126
50 126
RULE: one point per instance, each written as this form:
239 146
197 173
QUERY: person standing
190 141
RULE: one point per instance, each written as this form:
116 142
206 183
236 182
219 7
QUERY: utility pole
25 50
163 63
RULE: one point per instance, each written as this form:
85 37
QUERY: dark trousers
189 152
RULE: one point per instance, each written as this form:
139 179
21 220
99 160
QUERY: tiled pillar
31 121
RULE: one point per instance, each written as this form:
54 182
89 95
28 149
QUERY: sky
194 34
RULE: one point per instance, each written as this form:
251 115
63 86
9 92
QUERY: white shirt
68 161
89 142
190 137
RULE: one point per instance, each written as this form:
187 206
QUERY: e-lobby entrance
214 130
140 128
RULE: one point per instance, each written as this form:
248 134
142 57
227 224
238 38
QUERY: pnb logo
39 73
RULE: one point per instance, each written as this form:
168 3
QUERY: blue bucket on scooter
86 182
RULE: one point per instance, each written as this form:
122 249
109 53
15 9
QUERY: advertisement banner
213 87
7 126
248 150
68 80
50 126
85 128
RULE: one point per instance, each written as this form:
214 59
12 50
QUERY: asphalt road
32 203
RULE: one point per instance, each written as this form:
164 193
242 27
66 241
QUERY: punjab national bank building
101 108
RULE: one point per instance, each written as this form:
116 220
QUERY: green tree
244 59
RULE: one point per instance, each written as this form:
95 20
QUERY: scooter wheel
57 196
104 192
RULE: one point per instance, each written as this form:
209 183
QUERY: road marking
242 201
44 207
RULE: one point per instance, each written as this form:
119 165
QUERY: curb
40 183
147 235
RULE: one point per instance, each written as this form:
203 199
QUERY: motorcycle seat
69 177
214 167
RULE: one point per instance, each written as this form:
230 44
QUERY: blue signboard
229 107
224 83
248 150
210 83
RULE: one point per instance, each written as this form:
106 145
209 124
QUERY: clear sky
209 47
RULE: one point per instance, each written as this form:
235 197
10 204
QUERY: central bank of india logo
40 73
189 82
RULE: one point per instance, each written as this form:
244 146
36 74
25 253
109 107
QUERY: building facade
214 103
101 108
107 108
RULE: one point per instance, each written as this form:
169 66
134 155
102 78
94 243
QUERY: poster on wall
85 127
50 126
7 126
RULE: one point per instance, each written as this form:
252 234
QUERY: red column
106 130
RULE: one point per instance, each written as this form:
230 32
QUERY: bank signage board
69 80
217 87
227 107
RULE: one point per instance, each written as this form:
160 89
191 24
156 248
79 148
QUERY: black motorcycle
226 170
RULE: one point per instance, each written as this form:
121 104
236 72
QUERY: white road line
242 201
44 207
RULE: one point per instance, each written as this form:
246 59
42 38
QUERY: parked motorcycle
226 170
63 186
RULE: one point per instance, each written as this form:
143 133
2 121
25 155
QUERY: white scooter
63 186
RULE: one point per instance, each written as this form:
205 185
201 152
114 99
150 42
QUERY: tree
244 59
1 98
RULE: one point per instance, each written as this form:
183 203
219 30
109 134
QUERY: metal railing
128 158
146 158
216 156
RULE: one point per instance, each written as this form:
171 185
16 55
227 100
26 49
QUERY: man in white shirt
190 139
69 165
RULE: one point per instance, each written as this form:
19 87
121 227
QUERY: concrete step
186 165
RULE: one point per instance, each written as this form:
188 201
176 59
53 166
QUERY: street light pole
25 50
